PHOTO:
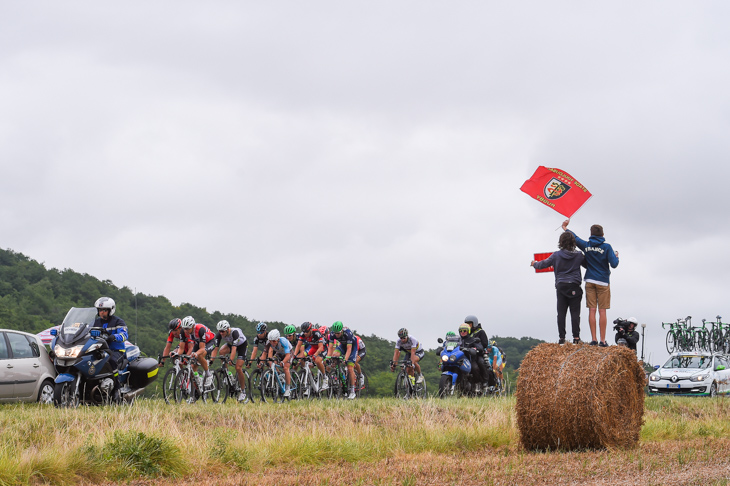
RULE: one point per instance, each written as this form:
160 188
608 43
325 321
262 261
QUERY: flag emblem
555 189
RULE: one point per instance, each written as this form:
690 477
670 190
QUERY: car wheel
45 394
713 390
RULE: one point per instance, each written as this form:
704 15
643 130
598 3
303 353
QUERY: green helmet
288 330
450 333
336 327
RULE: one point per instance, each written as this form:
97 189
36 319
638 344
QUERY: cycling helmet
323 330
306 326
403 333
634 321
188 322
174 324
465 327
473 319
105 303
261 327
493 342
223 326
274 335
337 326
288 330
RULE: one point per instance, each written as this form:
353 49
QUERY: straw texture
579 396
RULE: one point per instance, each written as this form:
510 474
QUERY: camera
621 325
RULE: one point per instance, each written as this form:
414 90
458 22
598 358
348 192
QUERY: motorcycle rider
115 332
479 333
472 346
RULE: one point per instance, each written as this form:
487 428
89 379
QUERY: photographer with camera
626 334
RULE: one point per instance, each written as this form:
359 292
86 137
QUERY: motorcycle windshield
451 343
76 325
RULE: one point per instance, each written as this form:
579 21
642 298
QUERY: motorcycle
455 365
85 373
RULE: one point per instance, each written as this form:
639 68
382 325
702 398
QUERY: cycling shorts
361 353
312 350
343 352
240 350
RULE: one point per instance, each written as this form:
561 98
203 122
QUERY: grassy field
375 441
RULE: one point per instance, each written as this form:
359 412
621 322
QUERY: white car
692 374
26 370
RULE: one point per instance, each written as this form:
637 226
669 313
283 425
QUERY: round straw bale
579 396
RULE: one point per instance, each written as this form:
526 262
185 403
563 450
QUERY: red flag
540 257
556 189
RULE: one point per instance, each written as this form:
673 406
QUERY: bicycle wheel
361 385
295 386
717 340
182 381
419 389
671 342
255 386
168 385
402 386
335 390
305 383
223 386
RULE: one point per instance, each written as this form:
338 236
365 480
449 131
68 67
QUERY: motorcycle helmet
174 324
306 326
289 330
261 327
634 321
274 335
337 327
188 322
450 333
403 333
223 326
105 303
472 319
464 327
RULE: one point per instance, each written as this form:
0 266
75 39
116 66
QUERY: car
692 374
26 371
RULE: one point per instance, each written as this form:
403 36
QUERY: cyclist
347 346
199 335
234 342
175 328
282 348
311 343
361 352
290 332
494 355
260 342
410 345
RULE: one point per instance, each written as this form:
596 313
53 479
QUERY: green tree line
34 298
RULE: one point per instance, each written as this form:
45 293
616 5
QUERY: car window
33 346
686 361
3 347
19 345
721 361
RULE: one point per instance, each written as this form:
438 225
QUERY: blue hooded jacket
599 255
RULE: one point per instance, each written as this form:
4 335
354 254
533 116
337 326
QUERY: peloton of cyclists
235 344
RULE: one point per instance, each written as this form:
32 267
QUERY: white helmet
188 322
274 335
223 326
105 303
633 320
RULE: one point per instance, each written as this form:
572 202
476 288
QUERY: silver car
692 374
26 370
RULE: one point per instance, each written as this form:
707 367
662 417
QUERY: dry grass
684 441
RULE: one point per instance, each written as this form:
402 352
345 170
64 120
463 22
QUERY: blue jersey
283 347
347 337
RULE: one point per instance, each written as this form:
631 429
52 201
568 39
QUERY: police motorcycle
85 373
455 365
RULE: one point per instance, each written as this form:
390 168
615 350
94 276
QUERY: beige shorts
598 296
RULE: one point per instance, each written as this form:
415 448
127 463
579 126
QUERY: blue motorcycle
85 373
455 365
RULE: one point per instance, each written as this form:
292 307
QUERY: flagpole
571 217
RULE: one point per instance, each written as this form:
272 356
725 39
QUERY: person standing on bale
599 257
567 262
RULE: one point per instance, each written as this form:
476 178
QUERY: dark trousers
570 296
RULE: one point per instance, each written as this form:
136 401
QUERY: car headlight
700 377
654 377
444 358
71 352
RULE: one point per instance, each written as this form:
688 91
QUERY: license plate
674 385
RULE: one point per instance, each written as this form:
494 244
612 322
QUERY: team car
692 374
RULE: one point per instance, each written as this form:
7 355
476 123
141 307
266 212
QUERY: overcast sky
361 161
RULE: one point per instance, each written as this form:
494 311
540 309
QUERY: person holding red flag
599 257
